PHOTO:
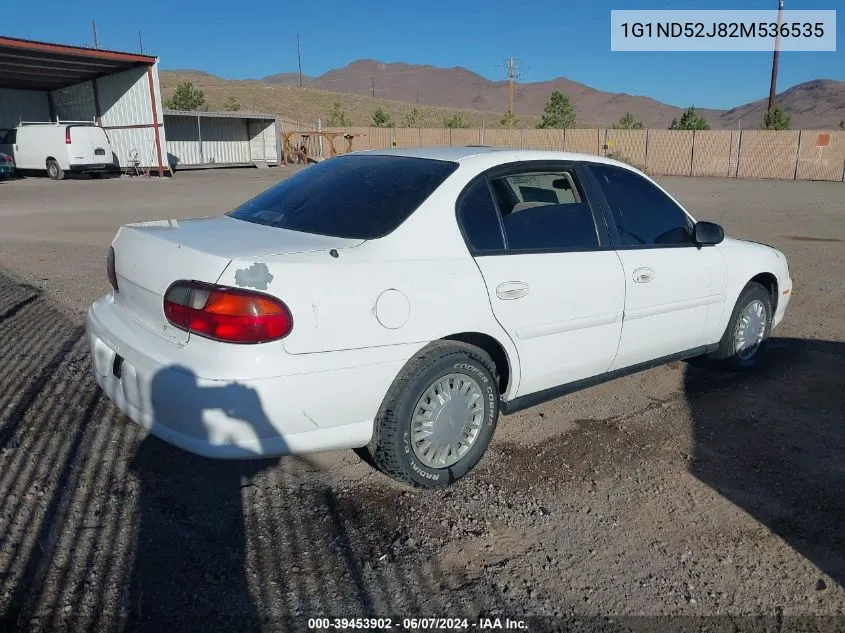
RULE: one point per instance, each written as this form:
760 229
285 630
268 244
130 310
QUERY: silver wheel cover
750 330
447 420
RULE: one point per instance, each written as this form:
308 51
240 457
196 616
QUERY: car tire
54 171
750 322
424 389
96 175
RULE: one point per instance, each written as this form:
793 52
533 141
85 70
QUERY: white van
61 147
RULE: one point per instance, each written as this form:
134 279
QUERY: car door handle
512 290
643 275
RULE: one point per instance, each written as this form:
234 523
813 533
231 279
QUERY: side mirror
707 233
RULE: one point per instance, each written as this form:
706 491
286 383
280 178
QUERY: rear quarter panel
363 300
38 143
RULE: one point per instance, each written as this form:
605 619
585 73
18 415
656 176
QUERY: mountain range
814 104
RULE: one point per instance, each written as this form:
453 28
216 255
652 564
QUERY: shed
221 139
40 81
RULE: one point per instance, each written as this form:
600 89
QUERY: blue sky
550 38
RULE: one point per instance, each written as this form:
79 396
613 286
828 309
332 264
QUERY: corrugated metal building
221 139
120 91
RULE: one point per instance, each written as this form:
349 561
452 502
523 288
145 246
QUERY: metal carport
41 81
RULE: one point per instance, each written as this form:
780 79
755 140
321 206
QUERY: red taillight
110 268
67 136
226 314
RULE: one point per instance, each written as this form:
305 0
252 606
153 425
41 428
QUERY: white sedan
400 300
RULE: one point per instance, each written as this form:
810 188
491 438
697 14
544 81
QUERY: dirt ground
677 499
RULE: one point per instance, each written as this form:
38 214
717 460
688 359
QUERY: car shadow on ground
772 440
104 527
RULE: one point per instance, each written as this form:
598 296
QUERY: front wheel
748 328
438 416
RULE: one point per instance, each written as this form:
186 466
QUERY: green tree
509 119
559 112
690 120
186 97
776 119
455 121
627 123
337 117
382 118
231 104
414 118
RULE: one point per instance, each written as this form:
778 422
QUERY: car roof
488 154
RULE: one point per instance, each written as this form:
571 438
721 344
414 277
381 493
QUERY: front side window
544 210
644 215
357 196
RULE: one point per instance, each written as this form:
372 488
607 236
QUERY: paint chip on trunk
256 276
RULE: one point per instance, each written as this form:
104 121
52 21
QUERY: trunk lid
150 256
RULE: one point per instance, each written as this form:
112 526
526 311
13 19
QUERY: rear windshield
358 197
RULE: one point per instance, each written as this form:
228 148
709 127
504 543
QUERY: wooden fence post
692 154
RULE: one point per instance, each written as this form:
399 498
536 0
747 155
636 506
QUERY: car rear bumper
93 167
145 376
7 170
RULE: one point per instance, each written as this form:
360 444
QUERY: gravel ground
676 499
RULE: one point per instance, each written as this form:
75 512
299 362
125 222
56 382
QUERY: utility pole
94 29
374 88
511 70
513 75
775 56
140 42
299 60
418 97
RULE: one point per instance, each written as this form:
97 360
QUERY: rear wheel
54 171
96 175
438 416
748 329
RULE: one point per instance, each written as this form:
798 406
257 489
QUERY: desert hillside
440 92
306 105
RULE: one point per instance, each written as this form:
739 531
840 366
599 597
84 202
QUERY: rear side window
643 214
357 197
545 211
480 219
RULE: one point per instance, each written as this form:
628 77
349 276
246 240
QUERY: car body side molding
533 399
